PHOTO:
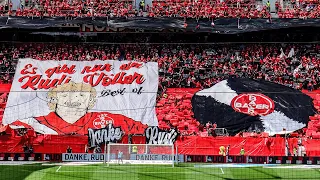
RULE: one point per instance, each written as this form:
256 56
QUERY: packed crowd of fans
209 9
189 65
163 8
299 9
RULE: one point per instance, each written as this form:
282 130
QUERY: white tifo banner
67 97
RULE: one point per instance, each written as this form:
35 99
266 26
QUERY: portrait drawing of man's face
71 101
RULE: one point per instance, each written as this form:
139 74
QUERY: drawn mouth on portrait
72 104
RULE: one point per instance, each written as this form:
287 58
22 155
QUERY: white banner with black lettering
156 157
82 157
99 157
155 135
96 137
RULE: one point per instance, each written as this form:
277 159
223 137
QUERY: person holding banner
69 104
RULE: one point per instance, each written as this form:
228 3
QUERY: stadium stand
247 44
163 8
269 62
